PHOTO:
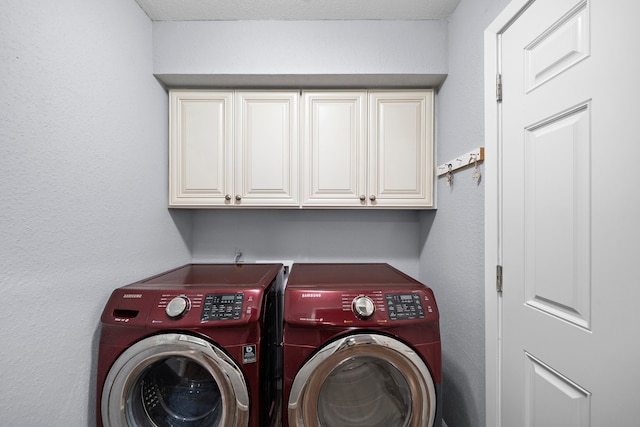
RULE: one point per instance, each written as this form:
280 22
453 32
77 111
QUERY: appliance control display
222 306
404 306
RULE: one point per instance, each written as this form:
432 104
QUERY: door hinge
499 278
499 88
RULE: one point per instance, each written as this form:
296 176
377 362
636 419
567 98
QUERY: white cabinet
266 149
200 148
334 145
221 155
358 149
401 149
368 149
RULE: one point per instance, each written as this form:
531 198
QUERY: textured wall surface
302 47
309 236
452 251
83 161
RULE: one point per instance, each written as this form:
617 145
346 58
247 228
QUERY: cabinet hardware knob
372 198
238 197
227 197
363 198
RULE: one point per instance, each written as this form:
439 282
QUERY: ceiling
296 10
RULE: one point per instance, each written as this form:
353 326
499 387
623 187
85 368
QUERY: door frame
493 206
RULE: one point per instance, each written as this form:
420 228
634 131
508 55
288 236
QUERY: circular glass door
174 380
174 392
363 380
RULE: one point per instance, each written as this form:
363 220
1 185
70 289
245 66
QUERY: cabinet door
200 157
401 149
266 149
334 146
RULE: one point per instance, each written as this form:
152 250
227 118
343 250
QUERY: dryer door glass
365 392
363 380
175 392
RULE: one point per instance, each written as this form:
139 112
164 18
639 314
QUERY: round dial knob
363 307
178 307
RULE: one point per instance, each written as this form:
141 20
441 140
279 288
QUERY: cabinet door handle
372 198
238 197
227 197
363 198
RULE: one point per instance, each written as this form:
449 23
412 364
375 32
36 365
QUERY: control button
363 307
177 307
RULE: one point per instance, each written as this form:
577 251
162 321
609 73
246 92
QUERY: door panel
552 399
557 215
560 47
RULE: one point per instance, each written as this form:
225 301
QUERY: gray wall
301 53
309 236
452 258
83 161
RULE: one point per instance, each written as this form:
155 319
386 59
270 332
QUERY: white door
569 216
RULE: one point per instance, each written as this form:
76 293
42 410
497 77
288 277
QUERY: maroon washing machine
195 346
361 348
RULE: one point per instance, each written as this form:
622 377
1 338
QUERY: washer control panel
404 306
222 306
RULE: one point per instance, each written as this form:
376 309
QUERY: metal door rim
133 361
311 376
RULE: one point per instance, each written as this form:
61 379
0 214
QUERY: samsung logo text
311 295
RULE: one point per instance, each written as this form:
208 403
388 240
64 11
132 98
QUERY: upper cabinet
357 149
401 149
334 146
367 149
221 155
266 149
200 149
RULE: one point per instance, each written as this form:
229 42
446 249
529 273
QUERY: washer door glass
365 392
175 380
175 392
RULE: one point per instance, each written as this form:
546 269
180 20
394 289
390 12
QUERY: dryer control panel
222 306
404 306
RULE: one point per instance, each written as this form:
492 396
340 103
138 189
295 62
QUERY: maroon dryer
361 348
